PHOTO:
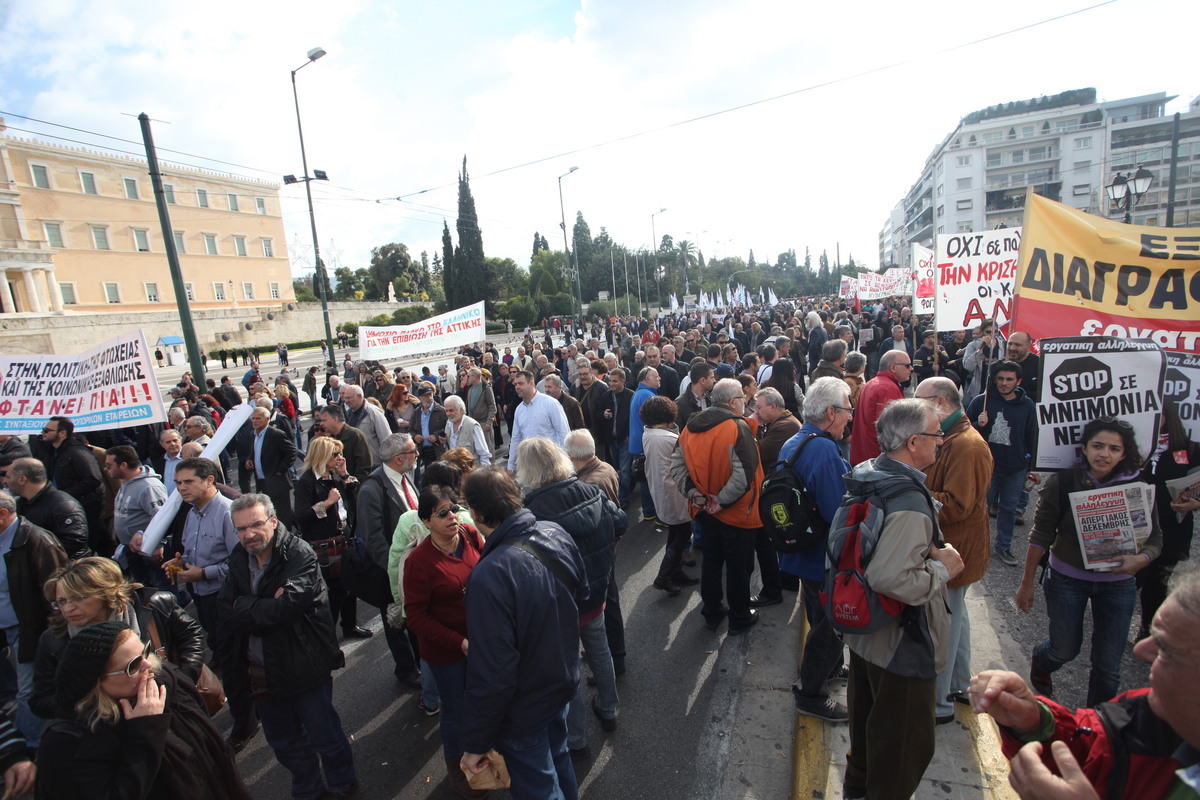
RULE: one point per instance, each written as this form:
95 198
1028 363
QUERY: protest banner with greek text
925 270
1182 386
453 329
976 277
110 386
874 286
1087 377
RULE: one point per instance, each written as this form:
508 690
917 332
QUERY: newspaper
1185 488
1112 522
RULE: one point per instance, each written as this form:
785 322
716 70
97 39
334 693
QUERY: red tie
408 495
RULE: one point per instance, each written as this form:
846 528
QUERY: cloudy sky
629 92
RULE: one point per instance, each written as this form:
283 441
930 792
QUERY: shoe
825 708
1007 557
349 793
689 560
237 743
850 793
683 579
993 511
761 601
944 719
1020 520
580 753
608 724
712 622
410 678
357 633
667 585
652 519
1041 681
430 711
739 630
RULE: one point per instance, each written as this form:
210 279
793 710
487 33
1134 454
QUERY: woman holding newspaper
1076 575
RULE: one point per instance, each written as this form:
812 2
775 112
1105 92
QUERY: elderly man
778 424
893 671
366 417
48 507
537 415
481 404
716 467
581 449
895 367
959 480
355 449
272 454
464 432
571 407
833 358
276 607
331 392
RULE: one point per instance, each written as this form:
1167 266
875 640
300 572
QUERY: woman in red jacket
435 583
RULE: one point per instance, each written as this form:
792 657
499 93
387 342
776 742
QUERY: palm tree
685 251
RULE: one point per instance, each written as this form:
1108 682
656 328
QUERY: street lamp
566 248
657 267
1126 190
319 175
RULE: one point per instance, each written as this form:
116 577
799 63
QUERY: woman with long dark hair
783 380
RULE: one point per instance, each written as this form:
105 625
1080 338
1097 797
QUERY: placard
976 277
453 329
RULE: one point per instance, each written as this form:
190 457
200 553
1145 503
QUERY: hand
1024 597
949 557
19 778
173 566
191 574
983 418
157 556
1007 697
1182 506
1031 778
1131 565
464 646
332 498
474 762
248 464
279 592
418 438
135 542
151 698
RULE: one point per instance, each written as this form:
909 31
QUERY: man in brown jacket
959 480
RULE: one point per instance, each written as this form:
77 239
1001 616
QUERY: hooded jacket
717 455
137 501
1011 431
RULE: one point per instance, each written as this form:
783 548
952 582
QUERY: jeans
1112 612
540 763
622 462
647 500
405 651
28 724
822 648
1005 492
599 659
731 550
430 692
306 734
451 686
957 674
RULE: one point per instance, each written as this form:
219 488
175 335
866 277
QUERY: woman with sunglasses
401 405
435 581
130 727
93 590
1110 458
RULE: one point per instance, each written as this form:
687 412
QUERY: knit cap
84 659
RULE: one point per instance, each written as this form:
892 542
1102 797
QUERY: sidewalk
775 752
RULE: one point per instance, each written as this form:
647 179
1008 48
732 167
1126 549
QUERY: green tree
472 277
450 275
547 273
389 263
539 244
304 293
508 279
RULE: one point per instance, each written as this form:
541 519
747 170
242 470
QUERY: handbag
362 577
329 554
638 468
207 684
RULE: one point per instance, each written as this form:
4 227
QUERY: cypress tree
473 274
449 272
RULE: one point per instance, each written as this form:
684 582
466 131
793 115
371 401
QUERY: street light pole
566 249
1128 189
657 267
322 280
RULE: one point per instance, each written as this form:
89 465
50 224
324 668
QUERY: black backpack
789 513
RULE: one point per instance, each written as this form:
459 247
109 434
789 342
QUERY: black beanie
83 661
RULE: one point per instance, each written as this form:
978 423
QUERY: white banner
925 268
873 286
1087 377
977 275
848 288
110 386
452 329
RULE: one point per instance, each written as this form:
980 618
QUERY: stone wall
245 326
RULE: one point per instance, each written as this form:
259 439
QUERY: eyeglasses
445 512
254 526
905 364
135 664
68 602
412 452
49 430
938 435
843 408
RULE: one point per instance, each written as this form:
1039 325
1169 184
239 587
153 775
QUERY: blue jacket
821 467
523 626
593 523
636 426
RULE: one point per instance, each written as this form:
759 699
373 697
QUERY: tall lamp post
319 175
657 267
1126 191
566 248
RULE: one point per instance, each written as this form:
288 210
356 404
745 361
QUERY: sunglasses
445 512
135 664
1124 425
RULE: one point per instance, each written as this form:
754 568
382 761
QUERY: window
1080 166
994 159
1083 142
218 290
239 245
131 190
141 240
1018 156
189 289
100 237
41 176
964 183
965 205
210 243
1037 153
202 198
260 205
169 192
991 137
964 227
68 294
233 206
941 212
1026 131
941 190
274 290
88 180
1122 159
268 248
53 233
964 161
151 292
178 236
112 292
248 290
1081 189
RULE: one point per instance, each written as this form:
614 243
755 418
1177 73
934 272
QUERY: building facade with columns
80 232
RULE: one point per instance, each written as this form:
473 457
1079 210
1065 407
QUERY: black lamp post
1127 190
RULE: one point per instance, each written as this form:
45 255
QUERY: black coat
60 514
619 404
378 509
311 490
300 647
278 453
34 556
74 470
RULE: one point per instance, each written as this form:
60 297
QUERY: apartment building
79 231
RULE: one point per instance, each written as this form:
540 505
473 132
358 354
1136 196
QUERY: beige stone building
79 232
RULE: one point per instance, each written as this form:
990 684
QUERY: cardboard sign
976 277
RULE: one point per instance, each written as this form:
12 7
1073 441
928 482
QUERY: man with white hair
464 432
581 449
367 418
571 407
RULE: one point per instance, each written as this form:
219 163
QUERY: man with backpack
820 467
895 660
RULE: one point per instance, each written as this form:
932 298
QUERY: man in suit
165 464
272 455
384 495
429 429
616 424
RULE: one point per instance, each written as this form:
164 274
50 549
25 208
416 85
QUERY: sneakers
1007 557
430 711
825 708
1041 681
607 724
